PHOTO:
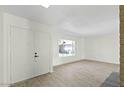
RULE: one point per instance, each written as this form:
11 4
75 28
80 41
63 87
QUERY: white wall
1 48
103 48
61 60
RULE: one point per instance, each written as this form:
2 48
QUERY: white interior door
42 48
24 44
22 54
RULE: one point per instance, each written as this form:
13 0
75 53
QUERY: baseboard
2 85
98 61
68 62
84 60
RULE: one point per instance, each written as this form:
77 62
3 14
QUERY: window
66 48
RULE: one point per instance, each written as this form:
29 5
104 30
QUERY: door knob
36 55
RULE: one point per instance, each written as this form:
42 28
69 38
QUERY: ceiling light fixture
45 4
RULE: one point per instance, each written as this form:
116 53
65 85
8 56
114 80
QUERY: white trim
6 54
4 85
8 63
10 21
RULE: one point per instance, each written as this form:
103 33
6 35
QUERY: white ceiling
81 20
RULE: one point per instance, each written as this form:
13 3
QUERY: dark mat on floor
112 81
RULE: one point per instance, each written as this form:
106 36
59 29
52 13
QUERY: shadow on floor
112 81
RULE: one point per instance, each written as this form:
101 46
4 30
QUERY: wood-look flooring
76 74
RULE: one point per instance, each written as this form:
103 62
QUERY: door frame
11 21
